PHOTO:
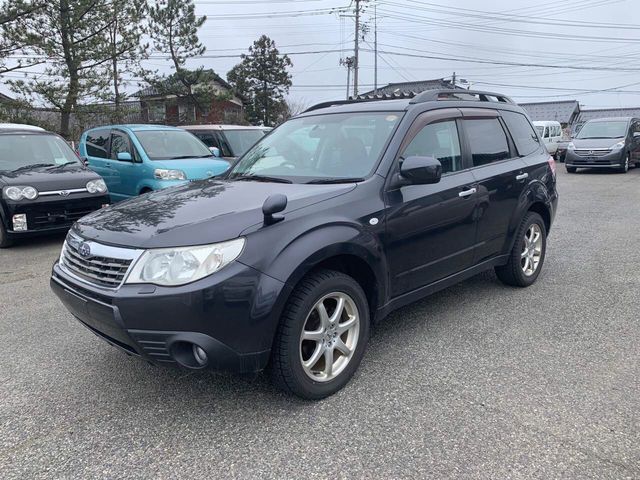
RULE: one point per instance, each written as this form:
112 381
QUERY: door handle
522 176
467 193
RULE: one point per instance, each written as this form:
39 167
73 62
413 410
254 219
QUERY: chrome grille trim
592 152
60 192
105 267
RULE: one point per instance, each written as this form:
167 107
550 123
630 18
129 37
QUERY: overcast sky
497 44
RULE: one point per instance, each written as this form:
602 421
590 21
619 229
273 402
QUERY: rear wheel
5 241
322 336
527 256
571 169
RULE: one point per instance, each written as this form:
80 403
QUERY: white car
551 134
11 126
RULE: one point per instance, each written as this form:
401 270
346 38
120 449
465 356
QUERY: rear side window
523 134
98 143
439 140
487 141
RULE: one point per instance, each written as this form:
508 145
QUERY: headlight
18 193
181 265
571 146
96 186
617 146
164 174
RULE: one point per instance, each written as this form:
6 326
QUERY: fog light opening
200 355
19 222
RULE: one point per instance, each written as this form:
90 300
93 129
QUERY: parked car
551 134
561 151
229 141
136 159
19 126
336 218
45 188
605 143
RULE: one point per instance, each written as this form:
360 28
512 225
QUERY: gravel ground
477 381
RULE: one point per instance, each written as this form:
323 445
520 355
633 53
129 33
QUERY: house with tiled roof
409 88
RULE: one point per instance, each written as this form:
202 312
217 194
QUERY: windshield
614 129
323 147
240 141
171 145
20 151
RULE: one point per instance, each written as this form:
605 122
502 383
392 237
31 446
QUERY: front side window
321 148
98 143
522 132
120 144
487 141
603 129
438 140
171 145
22 150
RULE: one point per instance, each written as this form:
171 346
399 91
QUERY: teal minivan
136 159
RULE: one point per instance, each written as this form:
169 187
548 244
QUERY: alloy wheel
532 250
329 336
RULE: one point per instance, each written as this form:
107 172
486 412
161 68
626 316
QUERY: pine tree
11 11
263 80
173 29
72 37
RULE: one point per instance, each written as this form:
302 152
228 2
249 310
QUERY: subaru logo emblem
84 249
64 193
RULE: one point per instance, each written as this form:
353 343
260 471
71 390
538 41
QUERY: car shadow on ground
39 241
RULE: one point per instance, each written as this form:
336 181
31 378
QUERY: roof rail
360 99
435 95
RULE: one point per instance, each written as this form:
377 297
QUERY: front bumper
232 315
45 215
615 159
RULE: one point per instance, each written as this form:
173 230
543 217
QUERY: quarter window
487 141
523 134
97 143
439 140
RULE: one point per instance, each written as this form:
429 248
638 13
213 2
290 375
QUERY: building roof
561 111
592 114
411 87
152 91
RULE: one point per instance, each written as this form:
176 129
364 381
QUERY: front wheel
625 166
527 255
322 336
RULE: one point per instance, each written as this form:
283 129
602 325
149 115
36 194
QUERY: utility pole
347 62
454 79
356 48
375 49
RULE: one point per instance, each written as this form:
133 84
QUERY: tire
571 169
515 272
302 313
625 166
5 241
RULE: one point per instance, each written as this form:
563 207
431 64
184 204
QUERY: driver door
431 229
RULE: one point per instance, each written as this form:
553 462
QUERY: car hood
199 212
596 142
48 178
195 168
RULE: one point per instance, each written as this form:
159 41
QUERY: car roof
24 131
136 127
221 127
20 126
610 119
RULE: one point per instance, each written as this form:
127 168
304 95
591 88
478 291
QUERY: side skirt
420 293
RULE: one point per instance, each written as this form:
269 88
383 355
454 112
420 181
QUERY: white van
551 134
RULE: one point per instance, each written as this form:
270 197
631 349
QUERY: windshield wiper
33 165
182 157
63 165
261 178
320 181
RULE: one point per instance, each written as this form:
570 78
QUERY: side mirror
125 157
84 160
636 134
275 203
215 151
421 170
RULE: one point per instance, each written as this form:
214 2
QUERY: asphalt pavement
477 381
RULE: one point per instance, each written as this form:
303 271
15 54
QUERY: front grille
59 216
103 266
593 153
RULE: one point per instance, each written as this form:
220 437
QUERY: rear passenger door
431 228
500 174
